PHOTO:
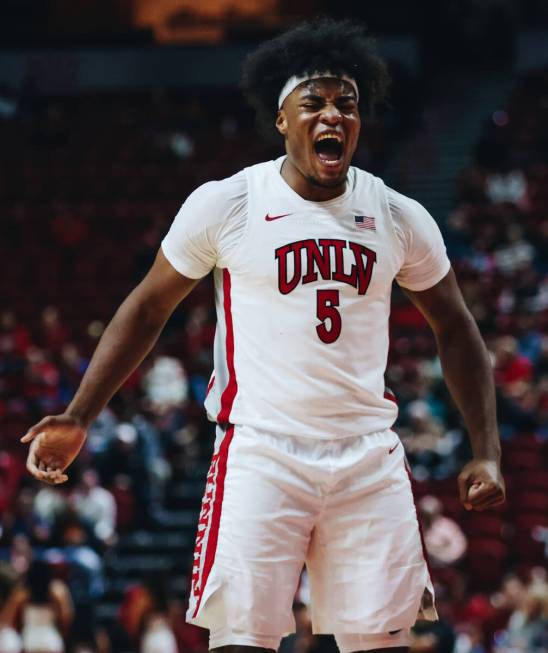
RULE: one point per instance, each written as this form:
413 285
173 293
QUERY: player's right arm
131 334
206 229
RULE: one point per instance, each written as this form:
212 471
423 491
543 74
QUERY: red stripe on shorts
220 461
229 393
210 384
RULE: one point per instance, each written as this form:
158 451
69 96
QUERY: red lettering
317 258
326 303
319 264
339 274
286 285
365 271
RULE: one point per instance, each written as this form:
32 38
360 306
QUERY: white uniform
39 632
303 300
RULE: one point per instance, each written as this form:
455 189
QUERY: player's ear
281 122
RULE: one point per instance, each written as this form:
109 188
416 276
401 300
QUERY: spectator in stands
49 505
10 641
445 542
75 552
68 228
53 332
45 609
72 366
506 187
510 366
516 254
123 455
10 476
431 448
14 337
184 450
19 518
435 636
96 505
42 379
527 630
302 640
165 384
19 554
134 451
470 639
432 637
147 614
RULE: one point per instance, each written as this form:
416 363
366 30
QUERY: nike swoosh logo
269 218
393 449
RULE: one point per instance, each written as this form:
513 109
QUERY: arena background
110 114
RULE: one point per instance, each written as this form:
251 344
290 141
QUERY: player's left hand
481 485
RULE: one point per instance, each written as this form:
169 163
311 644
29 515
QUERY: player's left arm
469 377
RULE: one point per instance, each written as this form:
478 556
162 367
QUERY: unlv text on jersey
326 258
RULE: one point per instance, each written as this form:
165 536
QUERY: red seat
452 507
525 549
486 562
527 521
534 480
529 502
446 486
523 461
481 524
522 443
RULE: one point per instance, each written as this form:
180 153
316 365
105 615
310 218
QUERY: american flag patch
364 222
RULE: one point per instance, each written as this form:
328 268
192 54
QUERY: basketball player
306 467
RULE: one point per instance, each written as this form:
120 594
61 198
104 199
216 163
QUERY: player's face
321 125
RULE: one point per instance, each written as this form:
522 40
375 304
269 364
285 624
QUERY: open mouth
329 149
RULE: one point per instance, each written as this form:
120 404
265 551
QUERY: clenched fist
481 485
55 443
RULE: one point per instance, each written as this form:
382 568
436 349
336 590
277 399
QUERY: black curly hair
340 46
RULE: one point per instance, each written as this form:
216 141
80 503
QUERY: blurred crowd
92 186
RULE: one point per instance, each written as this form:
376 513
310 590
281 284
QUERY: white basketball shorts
343 507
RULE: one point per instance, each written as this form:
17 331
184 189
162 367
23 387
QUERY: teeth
322 137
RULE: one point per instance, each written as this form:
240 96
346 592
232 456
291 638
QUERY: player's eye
347 107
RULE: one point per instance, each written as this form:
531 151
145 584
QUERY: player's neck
306 188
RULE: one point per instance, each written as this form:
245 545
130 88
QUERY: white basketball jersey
303 297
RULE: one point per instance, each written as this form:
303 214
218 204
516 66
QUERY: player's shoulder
363 178
367 184
216 201
397 202
234 189
401 206
262 173
221 190
406 212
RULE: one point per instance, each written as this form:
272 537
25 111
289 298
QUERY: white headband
294 81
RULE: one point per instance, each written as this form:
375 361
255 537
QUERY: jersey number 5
326 301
